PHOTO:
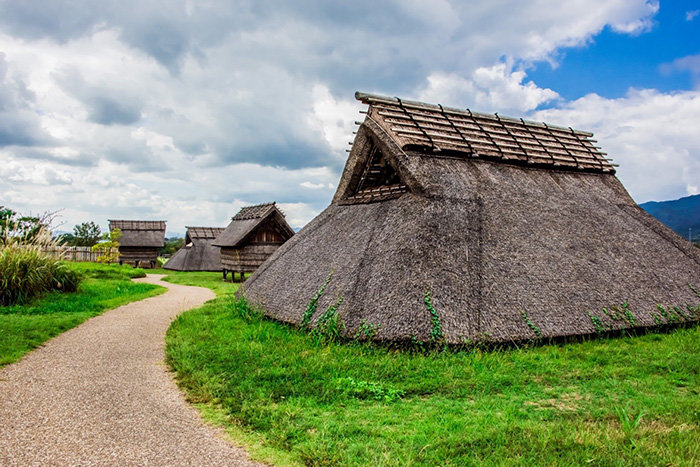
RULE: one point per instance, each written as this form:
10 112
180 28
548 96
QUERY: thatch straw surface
247 220
140 233
489 240
198 254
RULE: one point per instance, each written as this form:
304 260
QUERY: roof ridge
367 98
134 220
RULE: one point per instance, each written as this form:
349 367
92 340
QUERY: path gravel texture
101 394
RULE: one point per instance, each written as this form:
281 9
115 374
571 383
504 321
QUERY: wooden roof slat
531 132
509 145
483 149
438 128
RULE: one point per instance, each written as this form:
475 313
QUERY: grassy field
25 327
291 399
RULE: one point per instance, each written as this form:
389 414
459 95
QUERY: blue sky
611 62
187 110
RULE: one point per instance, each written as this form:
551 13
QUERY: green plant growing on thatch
368 390
531 325
328 327
620 313
436 334
26 271
695 291
108 247
416 344
657 319
597 323
628 314
666 315
366 331
313 304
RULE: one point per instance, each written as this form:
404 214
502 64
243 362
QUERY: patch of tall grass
26 271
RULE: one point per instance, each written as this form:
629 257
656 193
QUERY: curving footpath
101 394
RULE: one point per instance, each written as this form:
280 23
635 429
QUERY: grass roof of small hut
135 233
198 253
514 229
247 220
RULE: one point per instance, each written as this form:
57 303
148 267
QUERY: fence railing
75 253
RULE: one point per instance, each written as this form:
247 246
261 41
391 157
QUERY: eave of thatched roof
247 220
437 129
138 233
201 255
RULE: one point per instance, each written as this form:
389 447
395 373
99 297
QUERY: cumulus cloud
649 133
488 89
19 125
218 103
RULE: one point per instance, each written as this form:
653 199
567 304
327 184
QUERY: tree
108 247
172 245
23 228
86 234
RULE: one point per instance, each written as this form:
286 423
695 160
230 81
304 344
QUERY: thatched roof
491 238
198 254
444 129
247 220
147 234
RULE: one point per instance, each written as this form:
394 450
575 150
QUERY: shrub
108 247
26 271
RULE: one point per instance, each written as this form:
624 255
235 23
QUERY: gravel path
101 394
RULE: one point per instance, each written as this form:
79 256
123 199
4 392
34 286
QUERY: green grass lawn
25 327
290 399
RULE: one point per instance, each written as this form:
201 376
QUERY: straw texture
488 238
198 254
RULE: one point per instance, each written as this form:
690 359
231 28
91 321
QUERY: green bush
26 271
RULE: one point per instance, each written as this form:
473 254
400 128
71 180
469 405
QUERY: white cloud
690 63
651 135
494 88
187 112
690 15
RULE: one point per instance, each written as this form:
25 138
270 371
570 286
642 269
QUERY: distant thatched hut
140 241
198 254
252 236
477 227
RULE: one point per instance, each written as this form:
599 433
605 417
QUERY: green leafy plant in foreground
27 271
368 390
328 326
313 304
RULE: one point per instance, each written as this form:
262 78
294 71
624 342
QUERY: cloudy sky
187 110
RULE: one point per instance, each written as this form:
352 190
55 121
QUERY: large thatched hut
198 253
140 241
254 233
452 223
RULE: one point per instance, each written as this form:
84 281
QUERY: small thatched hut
198 254
473 227
252 236
140 241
